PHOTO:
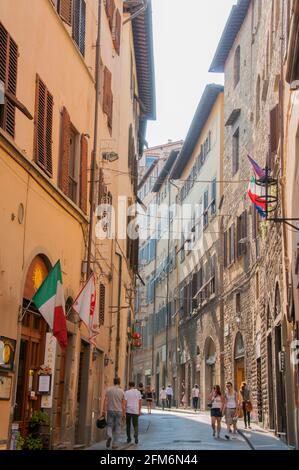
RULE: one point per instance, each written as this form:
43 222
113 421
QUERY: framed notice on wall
5 387
44 384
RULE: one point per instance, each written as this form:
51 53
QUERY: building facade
257 333
65 115
198 172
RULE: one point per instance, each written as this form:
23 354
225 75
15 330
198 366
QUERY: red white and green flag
49 300
255 193
85 304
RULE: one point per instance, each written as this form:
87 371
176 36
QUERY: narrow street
173 430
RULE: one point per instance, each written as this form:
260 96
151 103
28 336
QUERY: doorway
82 394
32 347
239 356
271 407
259 389
280 389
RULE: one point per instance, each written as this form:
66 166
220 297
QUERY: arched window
269 318
258 99
237 66
277 308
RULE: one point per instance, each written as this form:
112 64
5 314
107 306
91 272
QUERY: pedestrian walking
169 395
184 400
163 397
114 409
141 390
149 399
133 402
231 409
246 404
195 397
216 404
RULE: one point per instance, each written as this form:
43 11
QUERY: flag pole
25 311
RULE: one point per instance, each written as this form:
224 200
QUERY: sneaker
136 440
108 442
226 437
114 446
214 434
218 436
129 440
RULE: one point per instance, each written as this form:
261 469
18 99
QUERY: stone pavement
256 437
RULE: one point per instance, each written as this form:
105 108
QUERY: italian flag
255 193
49 300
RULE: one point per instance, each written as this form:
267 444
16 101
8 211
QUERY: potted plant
33 443
39 423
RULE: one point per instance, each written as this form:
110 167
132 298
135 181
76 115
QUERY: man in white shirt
169 395
163 396
133 401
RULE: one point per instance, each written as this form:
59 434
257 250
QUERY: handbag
101 422
248 406
209 404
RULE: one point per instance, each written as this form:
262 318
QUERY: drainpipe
116 367
95 138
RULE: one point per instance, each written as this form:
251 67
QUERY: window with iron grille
102 305
241 234
79 24
8 75
43 126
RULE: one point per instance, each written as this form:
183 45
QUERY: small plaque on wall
5 387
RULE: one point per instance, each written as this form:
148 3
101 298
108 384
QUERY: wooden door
31 358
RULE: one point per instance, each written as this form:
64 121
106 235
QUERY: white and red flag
85 304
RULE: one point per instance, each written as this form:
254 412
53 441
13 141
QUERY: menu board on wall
5 387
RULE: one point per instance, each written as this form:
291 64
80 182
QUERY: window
257 286
102 305
258 99
237 66
241 234
116 33
213 274
231 239
8 75
73 169
225 249
238 303
274 129
110 8
64 9
108 97
236 151
43 126
205 208
79 20
213 196
149 160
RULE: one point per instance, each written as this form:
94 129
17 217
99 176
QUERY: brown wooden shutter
110 113
65 152
244 232
102 305
117 31
274 129
8 75
110 7
65 10
43 126
107 90
83 174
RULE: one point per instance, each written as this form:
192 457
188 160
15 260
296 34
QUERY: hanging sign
7 352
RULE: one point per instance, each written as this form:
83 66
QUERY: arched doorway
210 360
271 405
239 361
32 346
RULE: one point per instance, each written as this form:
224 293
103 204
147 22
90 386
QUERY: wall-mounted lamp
110 156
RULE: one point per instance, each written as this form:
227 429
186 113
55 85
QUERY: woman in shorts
217 405
149 399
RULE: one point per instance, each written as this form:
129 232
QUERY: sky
186 35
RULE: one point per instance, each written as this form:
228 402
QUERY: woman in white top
217 405
231 409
